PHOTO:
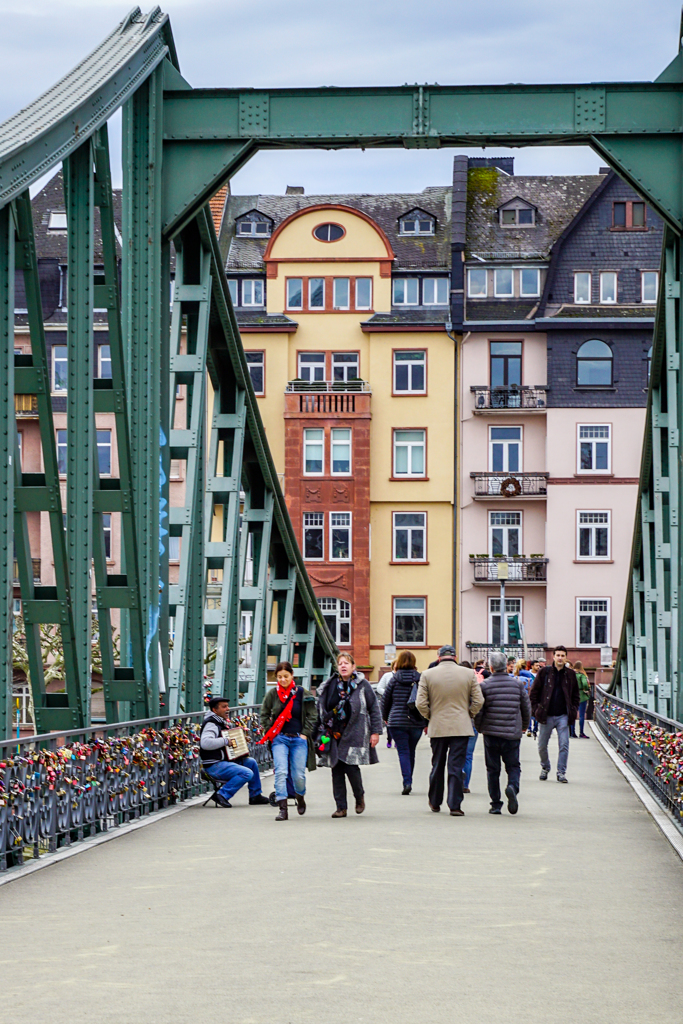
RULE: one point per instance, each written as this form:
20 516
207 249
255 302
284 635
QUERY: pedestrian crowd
453 703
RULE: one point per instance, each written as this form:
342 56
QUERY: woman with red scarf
288 720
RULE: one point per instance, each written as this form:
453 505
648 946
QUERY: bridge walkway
569 913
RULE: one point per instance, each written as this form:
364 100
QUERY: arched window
594 364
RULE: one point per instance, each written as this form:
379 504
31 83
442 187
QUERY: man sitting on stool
233 774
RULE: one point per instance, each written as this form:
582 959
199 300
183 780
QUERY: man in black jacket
502 720
555 703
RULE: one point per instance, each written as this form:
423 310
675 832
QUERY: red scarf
283 695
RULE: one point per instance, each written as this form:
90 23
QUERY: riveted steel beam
7 455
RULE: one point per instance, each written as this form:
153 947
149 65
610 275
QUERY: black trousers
339 774
495 749
451 751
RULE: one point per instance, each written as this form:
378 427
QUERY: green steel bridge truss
179 146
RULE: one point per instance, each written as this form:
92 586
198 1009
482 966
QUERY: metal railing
61 788
520 570
511 397
479 651
651 745
510 485
317 386
35 562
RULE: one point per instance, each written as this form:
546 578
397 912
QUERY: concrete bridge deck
569 913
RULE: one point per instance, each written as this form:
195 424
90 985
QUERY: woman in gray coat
351 727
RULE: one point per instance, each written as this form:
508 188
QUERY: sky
261 43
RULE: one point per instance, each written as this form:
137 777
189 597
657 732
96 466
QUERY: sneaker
406 791
584 736
512 800
388 744
495 810
561 777
260 799
529 732
545 772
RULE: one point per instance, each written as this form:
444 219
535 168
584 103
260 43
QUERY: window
59 368
256 361
608 286
61 452
174 549
340 535
295 292
337 615
344 366
477 283
57 221
592 627
594 364
435 291
517 215
329 232
409 452
582 287
502 282
506 363
232 288
311 366
314 524
316 293
649 284
417 223
314 443
593 537
406 291
252 293
260 228
505 449
594 454
499 632
106 530
104 452
341 450
410 372
628 216
341 292
104 359
649 363
176 469
409 620
410 535
505 533
529 282
363 293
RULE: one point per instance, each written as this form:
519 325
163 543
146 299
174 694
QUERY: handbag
412 712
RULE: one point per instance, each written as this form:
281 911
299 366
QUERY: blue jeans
561 723
467 770
290 754
406 741
234 775
582 716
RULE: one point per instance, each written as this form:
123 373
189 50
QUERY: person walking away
555 702
527 677
502 721
584 697
288 720
405 723
351 724
213 752
449 697
472 741
536 667
380 690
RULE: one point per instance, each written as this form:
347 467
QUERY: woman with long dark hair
406 724
288 720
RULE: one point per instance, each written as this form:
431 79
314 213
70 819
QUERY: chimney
604 170
458 238
506 164
294 190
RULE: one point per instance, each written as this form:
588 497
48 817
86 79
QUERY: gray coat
353 746
506 712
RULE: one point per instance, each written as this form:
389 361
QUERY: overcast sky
360 42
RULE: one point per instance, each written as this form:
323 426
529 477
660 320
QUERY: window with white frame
410 614
410 372
505 449
406 291
593 535
477 283
499 625
363 293
314 528
435 291
337 615
592 621
260 228
649 284
417 223
345 366
529 282
340 536
311 366
104 452
295 293
246 631
340 450
314 448
316 293
582 287
232 288
20 442
594 364
60 368
594 448
174 549
409 452
410 537
502 282
252 292
106 530
608 286
104 361
505 534
57 221
517 214
256 361
61 452
341 292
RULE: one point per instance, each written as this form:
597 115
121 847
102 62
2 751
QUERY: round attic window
329 232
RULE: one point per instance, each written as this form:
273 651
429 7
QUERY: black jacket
542 691
395 698
506 712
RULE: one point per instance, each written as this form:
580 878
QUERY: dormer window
57 221
254 224
517 214
417 222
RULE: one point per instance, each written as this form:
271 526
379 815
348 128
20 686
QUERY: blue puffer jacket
394 711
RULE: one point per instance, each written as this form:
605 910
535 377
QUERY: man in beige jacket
449 696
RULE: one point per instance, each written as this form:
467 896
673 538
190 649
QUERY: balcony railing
26 405
510 398
36 571
520 569
479 651
510 485
318 386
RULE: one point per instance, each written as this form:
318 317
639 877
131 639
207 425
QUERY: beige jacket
449 696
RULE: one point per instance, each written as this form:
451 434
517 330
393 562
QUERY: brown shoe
300 804
465 789
282 816
360 805
457 814
339 813
433 808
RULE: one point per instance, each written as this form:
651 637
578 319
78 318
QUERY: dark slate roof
417 317
611 312
501 309
422 252
557 199
264 320
54 244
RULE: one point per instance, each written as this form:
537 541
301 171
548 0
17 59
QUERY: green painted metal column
7 446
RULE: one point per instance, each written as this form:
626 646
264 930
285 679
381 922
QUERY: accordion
235 743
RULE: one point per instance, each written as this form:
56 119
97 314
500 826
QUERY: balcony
322 386
513 398
516 651
26 405
527 571
510 485
327 397
36 571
